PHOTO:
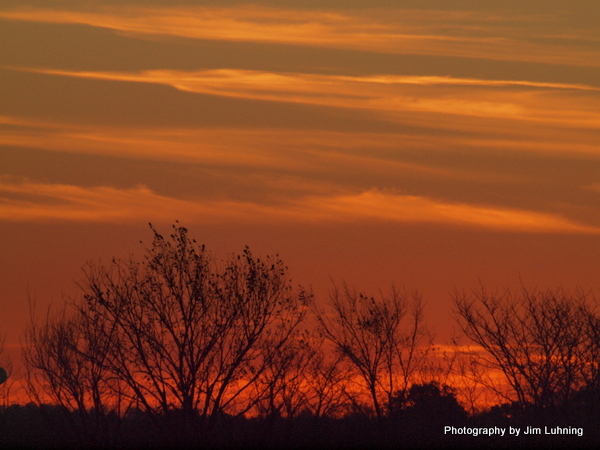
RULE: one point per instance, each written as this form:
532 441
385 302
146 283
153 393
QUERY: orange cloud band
45 202
386 31
525 101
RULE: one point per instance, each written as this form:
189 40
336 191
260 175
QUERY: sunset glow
416 144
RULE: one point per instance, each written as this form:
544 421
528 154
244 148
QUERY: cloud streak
506 99
30 201
385 31
266 149
337 158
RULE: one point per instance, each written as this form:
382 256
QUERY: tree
6 379
326 379
303 377
281 388
544 343
369 333
431 401
64 358
177 333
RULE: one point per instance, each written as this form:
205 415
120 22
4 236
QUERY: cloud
281 149
30 201
508 99
342 159
375 204
215 146
444 33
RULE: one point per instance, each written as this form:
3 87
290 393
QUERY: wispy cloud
398 32
238 147
29 201
509 99
375 204
339 158
267 149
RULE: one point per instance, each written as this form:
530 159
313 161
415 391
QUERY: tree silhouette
281 388
369 332
544 343
182 333
327 379
6 381
65 357
430 401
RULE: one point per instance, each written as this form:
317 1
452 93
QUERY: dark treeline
180 348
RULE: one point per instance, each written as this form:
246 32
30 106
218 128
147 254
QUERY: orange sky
406 142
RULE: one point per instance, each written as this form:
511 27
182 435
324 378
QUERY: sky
430 145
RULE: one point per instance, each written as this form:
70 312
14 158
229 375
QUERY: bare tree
476 385
281 388
326 380
64 362
371 335
543 343
176 333
6 378
304 376
590 353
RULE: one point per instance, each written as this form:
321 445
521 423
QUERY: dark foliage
46 426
